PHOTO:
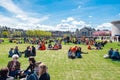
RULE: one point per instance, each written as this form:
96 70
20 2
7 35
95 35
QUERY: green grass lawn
91 67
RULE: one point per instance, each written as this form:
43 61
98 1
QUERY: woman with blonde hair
43 72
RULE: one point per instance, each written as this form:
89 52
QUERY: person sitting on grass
89 47
42 46
98 46
11 52
14 66
110 52
50 46
31 66
43 72
60 46
56 47
4 74
109 55
78 52
73 49
28 52
35 75
16 51
71 53
33 51
115 55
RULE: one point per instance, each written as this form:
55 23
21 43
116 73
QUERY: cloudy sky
59 14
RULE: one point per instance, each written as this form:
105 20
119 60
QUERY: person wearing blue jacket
110 52
35 75
11 52
116 55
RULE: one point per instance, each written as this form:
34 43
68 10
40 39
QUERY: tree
38 33
5 34
17 34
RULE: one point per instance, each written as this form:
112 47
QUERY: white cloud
69 19
104 26
72 24
78 23
8 21
10 6
20 17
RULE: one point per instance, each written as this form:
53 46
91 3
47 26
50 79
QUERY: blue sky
59 14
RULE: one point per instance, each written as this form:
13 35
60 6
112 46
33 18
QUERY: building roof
102 33
116 22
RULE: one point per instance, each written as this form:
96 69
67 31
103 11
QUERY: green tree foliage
5 34
17 34
38 33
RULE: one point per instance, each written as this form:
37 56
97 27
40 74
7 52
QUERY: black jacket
45 76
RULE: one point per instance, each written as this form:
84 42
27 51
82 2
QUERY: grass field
91 67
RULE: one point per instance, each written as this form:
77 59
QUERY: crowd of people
35 70
113 54
38 70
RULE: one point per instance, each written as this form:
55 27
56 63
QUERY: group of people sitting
41 45
35 70
98 45
114 55
56 46
14 51
30 51
75 52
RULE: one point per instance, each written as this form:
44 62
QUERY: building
61 33
116 28
102 33
87 32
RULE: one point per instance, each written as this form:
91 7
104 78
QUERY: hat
15 56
